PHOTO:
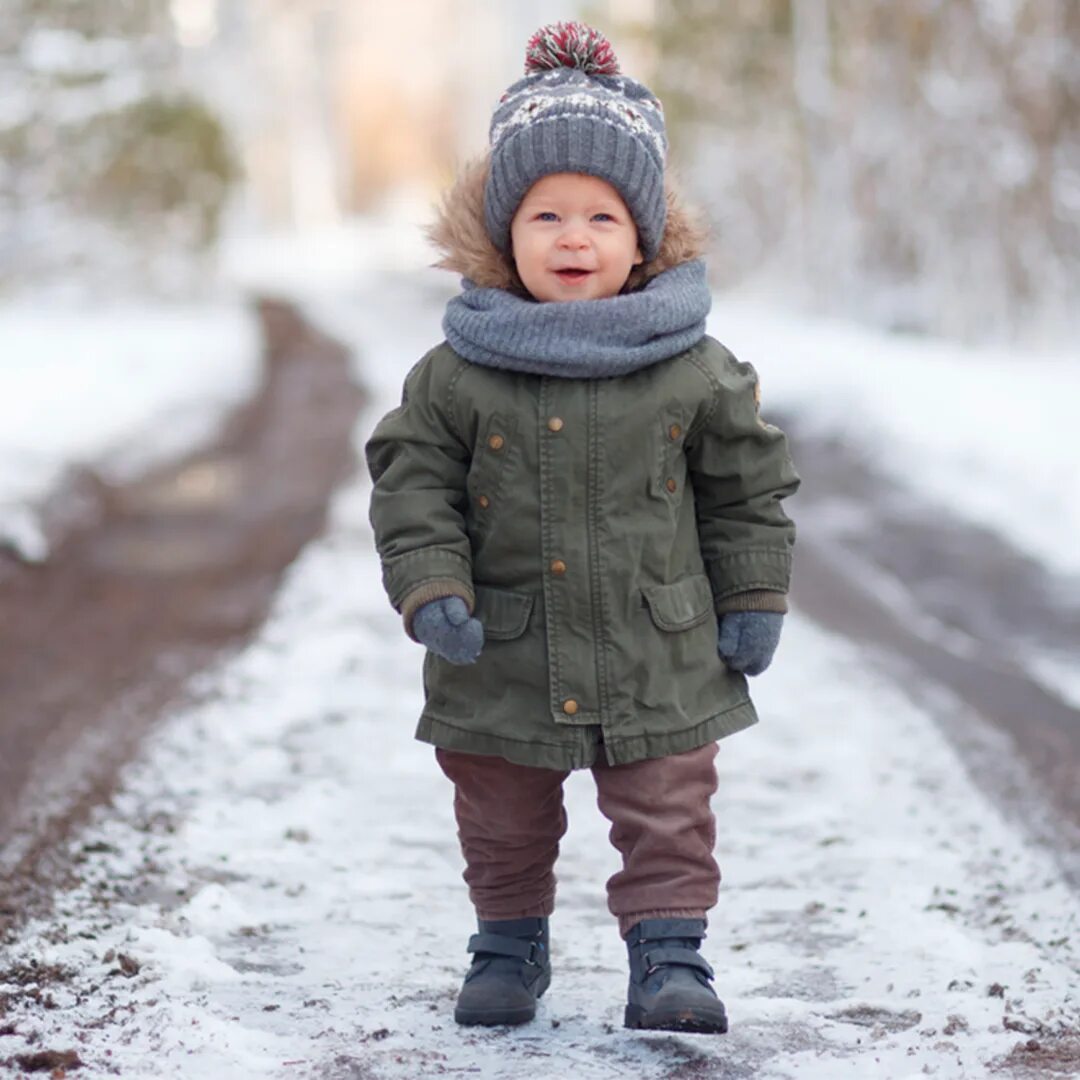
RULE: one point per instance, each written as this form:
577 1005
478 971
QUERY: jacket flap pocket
681 605
504 614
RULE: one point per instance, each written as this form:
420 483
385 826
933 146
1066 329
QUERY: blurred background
213 281
909 163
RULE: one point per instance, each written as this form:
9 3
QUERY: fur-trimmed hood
459 233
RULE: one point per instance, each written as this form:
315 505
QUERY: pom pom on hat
571 45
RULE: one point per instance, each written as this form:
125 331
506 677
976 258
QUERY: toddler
577 511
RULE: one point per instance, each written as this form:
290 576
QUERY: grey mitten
748 639
448 630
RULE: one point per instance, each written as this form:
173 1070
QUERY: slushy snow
276 890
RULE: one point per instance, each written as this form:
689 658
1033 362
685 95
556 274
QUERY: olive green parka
596 527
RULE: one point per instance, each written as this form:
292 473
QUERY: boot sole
502 1017
493 1017
703 1021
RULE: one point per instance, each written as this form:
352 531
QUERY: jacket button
569 706
674 431
558 566
671 484
555 424
496 442
484 502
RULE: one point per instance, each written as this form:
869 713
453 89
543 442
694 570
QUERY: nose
573 237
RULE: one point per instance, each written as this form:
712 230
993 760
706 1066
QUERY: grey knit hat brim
576 144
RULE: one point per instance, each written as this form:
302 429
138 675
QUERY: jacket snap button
484 502
558 566
671 485
555 424
569 706
496 442
674 431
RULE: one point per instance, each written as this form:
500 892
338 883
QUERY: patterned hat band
585 118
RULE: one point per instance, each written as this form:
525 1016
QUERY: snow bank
991 435
121 388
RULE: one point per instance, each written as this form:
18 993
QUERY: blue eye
606 217
546 215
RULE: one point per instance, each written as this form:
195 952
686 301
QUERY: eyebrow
606 204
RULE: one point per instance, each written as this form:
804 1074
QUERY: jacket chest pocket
668 476
484 482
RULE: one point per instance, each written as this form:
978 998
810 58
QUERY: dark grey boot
669 978
511 968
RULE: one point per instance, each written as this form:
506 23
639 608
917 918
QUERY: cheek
628 252
523 250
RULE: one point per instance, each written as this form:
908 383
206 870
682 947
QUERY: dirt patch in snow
1044 1056
54 1062
149 583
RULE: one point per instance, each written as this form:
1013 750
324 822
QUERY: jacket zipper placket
592 538
551 600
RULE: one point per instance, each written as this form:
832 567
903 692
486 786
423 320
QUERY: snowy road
155 573
276 891
987 635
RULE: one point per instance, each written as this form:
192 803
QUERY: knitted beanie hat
574 112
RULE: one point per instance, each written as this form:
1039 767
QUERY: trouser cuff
528 911
628 922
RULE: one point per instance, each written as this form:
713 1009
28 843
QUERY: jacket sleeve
418 462
740 470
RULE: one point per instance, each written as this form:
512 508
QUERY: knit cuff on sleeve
753 600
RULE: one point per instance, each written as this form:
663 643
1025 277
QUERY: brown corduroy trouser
511 818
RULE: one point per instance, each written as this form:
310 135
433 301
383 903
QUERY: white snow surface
989 435
282 870
118 387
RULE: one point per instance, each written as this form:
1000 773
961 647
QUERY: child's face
573 238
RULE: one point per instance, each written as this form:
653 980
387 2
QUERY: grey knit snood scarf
581 339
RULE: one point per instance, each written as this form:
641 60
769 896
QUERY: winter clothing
669 979
578 339
445 627
748 639
511 968
511 818
596 528
592 483
585 118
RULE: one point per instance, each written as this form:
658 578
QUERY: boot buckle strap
501 945
683 957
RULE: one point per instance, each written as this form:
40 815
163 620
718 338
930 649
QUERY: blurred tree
725 75
912 161
111 175
158 159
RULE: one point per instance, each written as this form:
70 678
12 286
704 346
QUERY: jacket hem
567 756
562 756
640 747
